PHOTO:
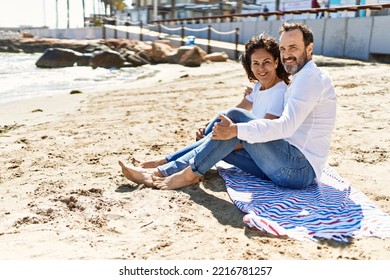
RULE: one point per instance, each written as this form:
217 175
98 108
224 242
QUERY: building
149 10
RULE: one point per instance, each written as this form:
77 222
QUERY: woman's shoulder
280 87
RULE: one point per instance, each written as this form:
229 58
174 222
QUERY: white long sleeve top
308 118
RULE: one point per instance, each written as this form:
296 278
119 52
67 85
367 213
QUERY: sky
37 13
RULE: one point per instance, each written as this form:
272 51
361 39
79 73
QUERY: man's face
293 52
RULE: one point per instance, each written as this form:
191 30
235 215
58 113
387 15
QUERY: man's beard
300 62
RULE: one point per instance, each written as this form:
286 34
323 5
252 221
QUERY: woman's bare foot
178 180
139 175
153 163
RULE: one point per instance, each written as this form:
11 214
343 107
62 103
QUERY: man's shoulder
312 69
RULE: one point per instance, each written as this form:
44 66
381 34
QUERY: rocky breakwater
108 53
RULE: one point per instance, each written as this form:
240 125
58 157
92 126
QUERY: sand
62 195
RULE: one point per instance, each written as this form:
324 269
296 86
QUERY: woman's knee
238 115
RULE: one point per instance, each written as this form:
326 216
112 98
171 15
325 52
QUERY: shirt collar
307 66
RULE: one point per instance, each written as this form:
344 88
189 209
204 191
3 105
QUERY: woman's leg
277 161
206 148
190 147
183 171
175 166
179 153
281 162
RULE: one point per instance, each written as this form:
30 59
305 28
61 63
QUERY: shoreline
27 110
62 194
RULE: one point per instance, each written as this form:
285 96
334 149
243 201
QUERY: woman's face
263 66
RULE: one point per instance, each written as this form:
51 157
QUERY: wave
21 79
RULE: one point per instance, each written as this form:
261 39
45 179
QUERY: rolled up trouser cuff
162 171
194 169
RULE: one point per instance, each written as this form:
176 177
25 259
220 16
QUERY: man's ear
309 49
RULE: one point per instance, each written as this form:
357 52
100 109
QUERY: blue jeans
277 161
189 148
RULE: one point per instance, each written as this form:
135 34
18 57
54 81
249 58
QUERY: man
290 151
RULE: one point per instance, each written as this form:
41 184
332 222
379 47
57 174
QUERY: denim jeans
277 161
189 148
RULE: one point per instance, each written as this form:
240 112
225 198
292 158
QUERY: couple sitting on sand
281 131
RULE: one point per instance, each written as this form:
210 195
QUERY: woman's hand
225 129
200 133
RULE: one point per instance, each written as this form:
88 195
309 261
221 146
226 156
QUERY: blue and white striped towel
330 210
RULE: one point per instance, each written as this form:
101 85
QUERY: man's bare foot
139 175
153 163
178 180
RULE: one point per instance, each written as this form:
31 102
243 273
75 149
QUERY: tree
113 5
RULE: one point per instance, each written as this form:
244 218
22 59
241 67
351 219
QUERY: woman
261 63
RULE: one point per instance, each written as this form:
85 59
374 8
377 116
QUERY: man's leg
283 163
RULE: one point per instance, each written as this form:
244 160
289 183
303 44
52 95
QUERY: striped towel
331 210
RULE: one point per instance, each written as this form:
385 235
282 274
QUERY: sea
21 79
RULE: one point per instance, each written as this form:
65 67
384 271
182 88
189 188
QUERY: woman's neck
270 84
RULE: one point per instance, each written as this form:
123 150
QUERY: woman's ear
276 63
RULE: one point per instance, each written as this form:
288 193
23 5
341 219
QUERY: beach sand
62 194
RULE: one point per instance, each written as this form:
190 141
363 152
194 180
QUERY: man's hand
225 129
248 90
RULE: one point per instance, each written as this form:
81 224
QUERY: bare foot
153 163
137 174
178 180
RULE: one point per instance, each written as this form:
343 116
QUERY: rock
188 56
75 91
39 45
107 59
27 35
84 59
216 57
94 47
136 59
10 49
160 52
56 57
201 52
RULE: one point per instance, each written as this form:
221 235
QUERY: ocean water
21 79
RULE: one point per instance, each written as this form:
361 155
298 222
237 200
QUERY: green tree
114 5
